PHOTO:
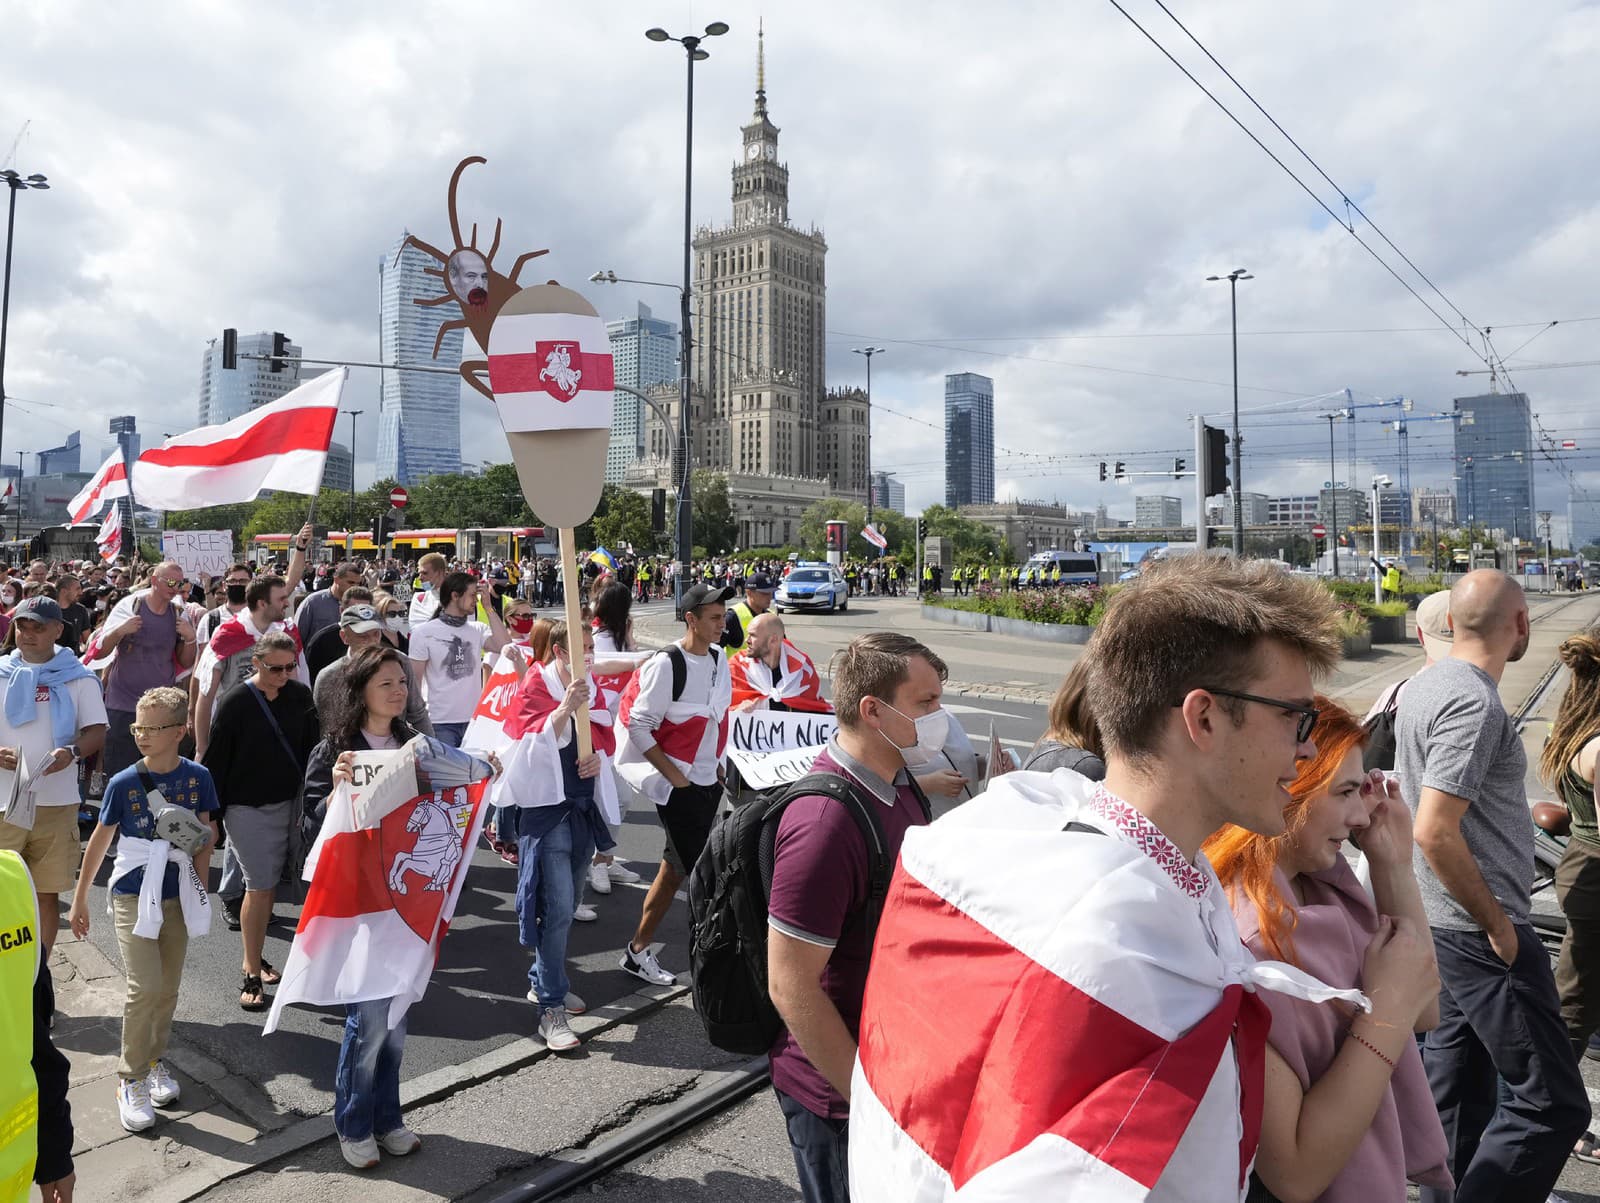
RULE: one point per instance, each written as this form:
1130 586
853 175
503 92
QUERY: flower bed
1063 605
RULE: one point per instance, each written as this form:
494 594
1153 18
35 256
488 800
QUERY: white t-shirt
452 677
707 693
37 742
424 605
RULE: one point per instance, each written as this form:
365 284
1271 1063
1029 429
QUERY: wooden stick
571 582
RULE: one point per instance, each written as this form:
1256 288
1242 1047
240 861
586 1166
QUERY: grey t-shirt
1453 734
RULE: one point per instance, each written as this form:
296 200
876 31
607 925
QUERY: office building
1494 463
125 429
338 470
65 458
1433 506
968 439
1583 520
1343 507
644 351
1394 508
225 393
419 413
888 493
1153 510
1297 510
1027 527
1257 509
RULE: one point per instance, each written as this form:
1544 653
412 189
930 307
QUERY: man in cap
359 627
758 592
675 713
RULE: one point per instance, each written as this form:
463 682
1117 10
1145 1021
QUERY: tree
714 527
971 539
622 519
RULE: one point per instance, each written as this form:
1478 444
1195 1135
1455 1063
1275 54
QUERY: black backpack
1380 750
728 892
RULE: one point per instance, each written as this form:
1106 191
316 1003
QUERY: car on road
812 587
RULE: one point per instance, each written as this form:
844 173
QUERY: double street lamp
694 53
14 183
1233 279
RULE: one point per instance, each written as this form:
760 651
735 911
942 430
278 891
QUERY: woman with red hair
1349 1117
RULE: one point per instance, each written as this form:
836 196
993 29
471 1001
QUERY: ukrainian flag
603 558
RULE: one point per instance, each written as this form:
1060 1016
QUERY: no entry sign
398 497
1318 531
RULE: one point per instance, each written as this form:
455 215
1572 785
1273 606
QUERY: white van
1077 568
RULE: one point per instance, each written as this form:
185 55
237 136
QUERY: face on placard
469 277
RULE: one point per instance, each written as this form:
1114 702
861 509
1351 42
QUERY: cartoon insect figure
471 281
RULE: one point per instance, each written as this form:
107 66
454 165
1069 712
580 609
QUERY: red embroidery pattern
1149 839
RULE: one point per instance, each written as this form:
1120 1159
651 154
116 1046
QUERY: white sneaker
644 965
163 1087
361 1154
585 913
621 874
574 1005
133 1104
554 1030
599 879
402 1142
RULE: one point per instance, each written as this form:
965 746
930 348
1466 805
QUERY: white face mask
932 731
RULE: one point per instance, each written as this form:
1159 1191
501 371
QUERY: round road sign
1318 531
398 497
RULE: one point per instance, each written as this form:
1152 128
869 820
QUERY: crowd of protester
1196 866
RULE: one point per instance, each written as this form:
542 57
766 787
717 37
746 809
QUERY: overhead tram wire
1344 222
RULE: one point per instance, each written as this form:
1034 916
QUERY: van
1077 568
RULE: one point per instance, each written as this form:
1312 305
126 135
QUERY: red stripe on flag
1010 1051
304 429
520 373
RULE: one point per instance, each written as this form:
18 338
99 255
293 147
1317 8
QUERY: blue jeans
550 873
366 1089
821 1150
449 733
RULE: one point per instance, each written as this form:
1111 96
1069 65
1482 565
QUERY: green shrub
1352 623
1068 605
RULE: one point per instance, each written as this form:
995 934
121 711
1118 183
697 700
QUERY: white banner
198 551
763 771
765 731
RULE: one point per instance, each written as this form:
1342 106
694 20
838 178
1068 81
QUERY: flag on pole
874 538
381 896
603 558
109 540
279 446
109 482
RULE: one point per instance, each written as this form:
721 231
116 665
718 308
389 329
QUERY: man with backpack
828 883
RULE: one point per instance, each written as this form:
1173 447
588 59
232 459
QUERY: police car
812 587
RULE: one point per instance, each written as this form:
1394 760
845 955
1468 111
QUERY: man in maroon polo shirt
886 691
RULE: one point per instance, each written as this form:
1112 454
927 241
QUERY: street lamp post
1233 279
869 352
694 53
1549 553
18 533
350 516
14 183
1333 492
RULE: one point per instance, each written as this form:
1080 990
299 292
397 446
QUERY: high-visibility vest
19 967
746 616
1391 580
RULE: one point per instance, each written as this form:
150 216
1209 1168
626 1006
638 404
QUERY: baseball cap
358 620
760 582
704 595
1433 624
37 609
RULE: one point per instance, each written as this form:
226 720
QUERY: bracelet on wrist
1372 1048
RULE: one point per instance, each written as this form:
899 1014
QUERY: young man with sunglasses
1096 1032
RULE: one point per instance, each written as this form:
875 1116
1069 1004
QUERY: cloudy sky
1028 190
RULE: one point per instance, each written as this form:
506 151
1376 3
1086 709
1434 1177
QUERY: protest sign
765 731
198 552
487 732
765 770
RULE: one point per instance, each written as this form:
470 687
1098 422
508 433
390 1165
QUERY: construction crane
1351 405
16 142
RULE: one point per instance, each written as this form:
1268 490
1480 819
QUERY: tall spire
761 69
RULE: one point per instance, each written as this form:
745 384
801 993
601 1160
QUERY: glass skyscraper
1494 464
644 351
226 393
419 413
968 439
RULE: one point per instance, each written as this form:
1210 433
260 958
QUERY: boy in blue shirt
152 959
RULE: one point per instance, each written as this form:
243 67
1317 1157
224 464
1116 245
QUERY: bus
67 542
505 543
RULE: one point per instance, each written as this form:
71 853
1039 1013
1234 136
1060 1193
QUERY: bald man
772 674
1462 771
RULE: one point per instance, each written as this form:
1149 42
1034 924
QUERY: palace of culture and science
761 413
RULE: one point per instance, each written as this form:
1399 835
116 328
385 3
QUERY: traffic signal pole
1200 532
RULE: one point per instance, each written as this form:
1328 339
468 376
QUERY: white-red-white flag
799 687
874 538
109 540
279 446
109 482
381 897
551 371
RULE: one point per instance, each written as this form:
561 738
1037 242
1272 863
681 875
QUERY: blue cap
37 609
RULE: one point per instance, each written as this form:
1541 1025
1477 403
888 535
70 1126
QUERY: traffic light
1120 469
922 530
1102 469
1322 543
1216 480
280 348
380 532
230 349
1177 465
658 511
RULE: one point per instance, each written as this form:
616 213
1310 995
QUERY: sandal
250 988
269 973
1587 1148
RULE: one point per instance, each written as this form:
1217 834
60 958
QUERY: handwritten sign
199 551
767 770
766 731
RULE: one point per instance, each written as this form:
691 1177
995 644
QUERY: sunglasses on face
278 668
170 583
139 730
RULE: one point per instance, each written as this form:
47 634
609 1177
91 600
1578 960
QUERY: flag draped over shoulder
381 897
1096 1033
533 774
279 446
94 653
799 688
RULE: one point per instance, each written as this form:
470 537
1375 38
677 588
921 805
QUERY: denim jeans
550 873
449 733
821 1152
366 1089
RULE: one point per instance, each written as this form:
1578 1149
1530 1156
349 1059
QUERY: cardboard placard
767 770
762 732
199 551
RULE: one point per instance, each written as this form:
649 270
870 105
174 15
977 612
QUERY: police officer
757 599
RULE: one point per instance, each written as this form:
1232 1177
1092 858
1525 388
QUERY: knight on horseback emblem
559 370
436 853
